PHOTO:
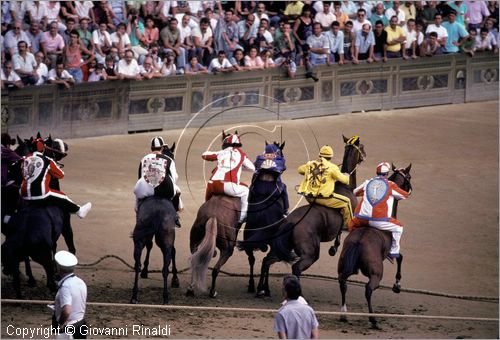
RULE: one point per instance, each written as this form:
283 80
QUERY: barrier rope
256 310
312 276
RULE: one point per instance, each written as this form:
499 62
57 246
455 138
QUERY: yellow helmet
326 151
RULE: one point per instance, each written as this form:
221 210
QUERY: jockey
273 160
319 180
226 176
38 171
158 177
375 209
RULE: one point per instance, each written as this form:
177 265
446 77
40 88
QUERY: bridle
360 158
406 178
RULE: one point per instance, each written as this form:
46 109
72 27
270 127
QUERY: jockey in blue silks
272 160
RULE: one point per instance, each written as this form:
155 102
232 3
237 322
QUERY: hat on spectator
157 143
383 168
65 259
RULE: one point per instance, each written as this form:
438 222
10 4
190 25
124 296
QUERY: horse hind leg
175 278
372 284
251 262
263 286
333 249
224 256
343 291
144 272
167 257
29 273
67 233
138 247
396 288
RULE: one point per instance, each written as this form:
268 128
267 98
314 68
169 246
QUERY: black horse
366 248
155 218
300 235
266 209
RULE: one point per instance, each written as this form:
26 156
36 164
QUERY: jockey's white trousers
396 230
241 191
143 189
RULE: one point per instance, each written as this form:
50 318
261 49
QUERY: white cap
65 259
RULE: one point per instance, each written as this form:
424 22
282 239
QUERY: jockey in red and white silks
376 206
226 176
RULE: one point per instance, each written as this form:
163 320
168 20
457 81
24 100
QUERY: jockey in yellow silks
319 180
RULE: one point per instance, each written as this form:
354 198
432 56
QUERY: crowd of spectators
68 42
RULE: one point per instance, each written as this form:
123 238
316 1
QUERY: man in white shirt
128 67
9 77
395 10
319 45
413 40
336 43
41 69
60 76
120 39
220 64
25 64
357 25
442 33
102 42
325 17
203 38
14 36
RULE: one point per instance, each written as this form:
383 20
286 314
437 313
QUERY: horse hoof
332 251
213 294
134 301
175 283
189 292
144 275
396 288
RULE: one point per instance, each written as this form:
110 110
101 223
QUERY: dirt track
450 241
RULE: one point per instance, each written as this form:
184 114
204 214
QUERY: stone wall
120 107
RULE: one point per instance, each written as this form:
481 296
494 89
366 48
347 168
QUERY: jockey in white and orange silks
226 176
376 206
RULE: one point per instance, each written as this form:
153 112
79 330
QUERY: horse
299 236
266 209
365 249
155 218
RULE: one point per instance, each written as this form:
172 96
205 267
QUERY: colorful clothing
275 163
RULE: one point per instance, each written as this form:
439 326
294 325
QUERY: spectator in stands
148 71
128 67
303 28
102 42
357 25
293 10
226 34
102 15
437 27
97 74
171 38
37 11
84 10
42 70
395 38
10 79
429 13
287 63
247 31
409 10
264 39
68 11
135 31
86 38
151 32
154 53
461 10
336 44
267 61
431 46
7 18
52 44
209 14
73 57
261 13
118 11
340 16
194 67
326 17
53 8
35 36
253 60
220 64
70 26
493 9
25 64
169 68
120 39
492 30
468 45
364 45
14 36
185 37
456 33
113 53
166 10
413 39
379 15
349 8
483 43
349 41
380 48
60 76
238 60
202 39
396 11
110 69
275 11
319 46
367 6
478 12
88 68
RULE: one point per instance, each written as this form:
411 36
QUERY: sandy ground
450 241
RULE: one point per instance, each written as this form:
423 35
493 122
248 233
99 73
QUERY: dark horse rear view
366 248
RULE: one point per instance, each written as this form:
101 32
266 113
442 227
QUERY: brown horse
300 235
366 248
216 225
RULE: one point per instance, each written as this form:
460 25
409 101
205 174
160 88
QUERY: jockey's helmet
271 148
232 140
157 143
326 151
383 168
37 145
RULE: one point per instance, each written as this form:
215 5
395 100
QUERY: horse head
354 154
169 151
23 146
402 177
55 148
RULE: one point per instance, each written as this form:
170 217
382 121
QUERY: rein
360 158
406 179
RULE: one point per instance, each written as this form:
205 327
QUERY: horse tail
203 254
282 243
350 260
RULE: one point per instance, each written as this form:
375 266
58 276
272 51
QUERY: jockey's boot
84 210
177 221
